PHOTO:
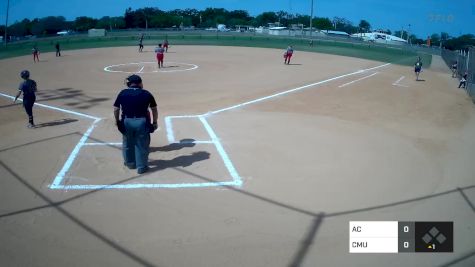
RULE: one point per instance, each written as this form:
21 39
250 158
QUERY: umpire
134 122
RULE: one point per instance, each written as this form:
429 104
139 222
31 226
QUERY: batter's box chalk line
236 179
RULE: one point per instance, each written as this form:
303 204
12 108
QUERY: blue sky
425 16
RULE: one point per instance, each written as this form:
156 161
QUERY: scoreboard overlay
401 237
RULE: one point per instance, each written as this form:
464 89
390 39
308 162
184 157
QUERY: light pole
311 18
146 20
6 23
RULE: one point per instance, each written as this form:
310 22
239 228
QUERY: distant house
278 31
244 28
63 32
336 33
380 37
96 32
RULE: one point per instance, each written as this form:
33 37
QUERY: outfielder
418 67
141 43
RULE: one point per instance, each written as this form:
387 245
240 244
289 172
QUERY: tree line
150 17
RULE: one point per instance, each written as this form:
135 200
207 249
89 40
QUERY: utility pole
6 23
146 20
311 19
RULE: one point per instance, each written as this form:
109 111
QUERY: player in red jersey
288 54
159 51
36 54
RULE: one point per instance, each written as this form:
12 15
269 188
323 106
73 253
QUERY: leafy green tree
48 25
322 23
117 22
462 42
84 23
364 25
300 19
342 24
104 23
265 18
129 18
21 28
435 39
398 34
444 36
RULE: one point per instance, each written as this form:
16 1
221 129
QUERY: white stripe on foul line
343 85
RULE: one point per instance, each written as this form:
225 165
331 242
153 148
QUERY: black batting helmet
25 74
133 79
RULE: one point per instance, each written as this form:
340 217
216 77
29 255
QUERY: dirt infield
275 160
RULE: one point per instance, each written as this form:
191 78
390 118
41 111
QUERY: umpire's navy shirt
135 102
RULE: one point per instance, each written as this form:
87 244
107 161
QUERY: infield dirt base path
374 145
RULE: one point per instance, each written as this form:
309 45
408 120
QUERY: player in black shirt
28 88
58 50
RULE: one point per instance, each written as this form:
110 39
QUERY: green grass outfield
395 55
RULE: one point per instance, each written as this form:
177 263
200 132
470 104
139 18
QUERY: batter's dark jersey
135 102
28 88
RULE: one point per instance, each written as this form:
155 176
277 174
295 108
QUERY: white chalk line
396 83
237 181
292 90
103 144
120 143
398 80
109 68
145 186
224 156
357 80
54 108
72 157
141 69
169 127
228 163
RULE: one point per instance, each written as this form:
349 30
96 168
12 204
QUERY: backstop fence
465 64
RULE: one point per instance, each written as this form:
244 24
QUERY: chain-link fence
465 64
